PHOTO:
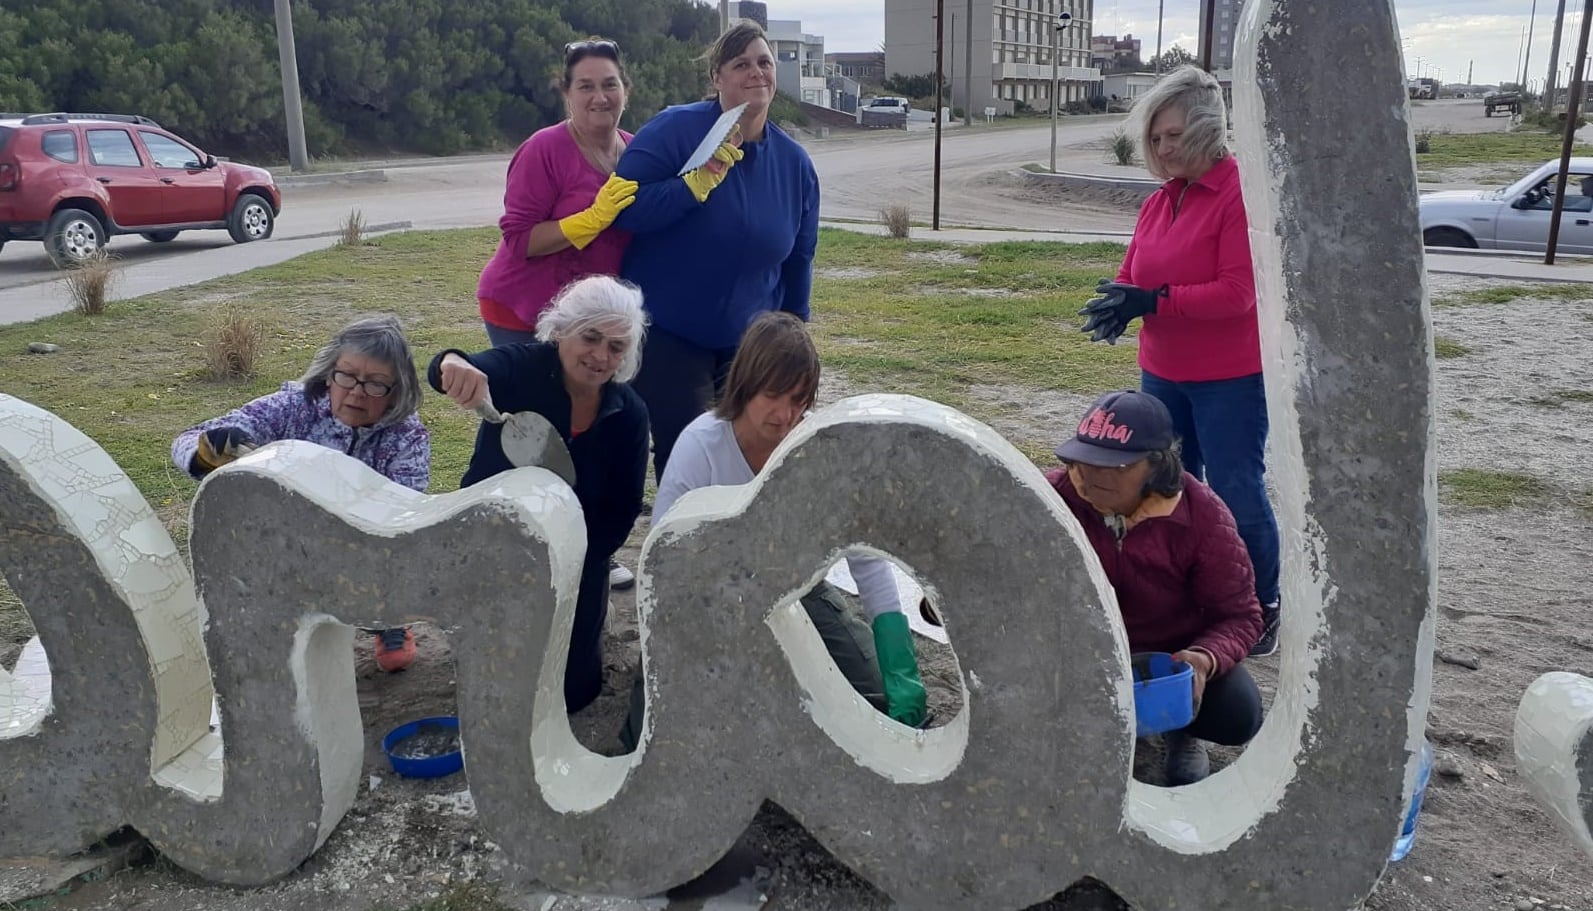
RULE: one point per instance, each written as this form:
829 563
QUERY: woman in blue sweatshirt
726 242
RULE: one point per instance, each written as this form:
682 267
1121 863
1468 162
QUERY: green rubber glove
905 699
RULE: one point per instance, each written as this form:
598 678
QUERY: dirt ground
1512 593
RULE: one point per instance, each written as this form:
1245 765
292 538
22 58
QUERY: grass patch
1453 150
1557 397
1444 348
1506 294
1483 489
919 331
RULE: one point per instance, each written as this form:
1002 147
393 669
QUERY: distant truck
1501 101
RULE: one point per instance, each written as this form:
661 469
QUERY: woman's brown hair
776 356
576 51
732 44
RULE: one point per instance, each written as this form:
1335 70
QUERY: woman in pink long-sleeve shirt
560 197
1188 274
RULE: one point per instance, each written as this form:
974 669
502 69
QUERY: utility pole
940 56
1549 88
1160 5
951 67
1056 39
967 66
1572 104
292 101
1208 38
1469 65
724 16
1526 60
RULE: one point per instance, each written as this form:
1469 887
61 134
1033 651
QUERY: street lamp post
1063 20
292 101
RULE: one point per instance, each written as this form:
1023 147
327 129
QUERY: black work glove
1116 305
217 447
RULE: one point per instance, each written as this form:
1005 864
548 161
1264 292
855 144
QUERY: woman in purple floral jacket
359 396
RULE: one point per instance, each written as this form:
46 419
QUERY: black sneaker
619 578
1268 643
1187 760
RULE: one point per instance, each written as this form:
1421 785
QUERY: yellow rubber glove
584 226
703 180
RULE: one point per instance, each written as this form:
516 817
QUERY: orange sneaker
395 649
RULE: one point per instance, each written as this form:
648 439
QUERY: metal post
1549 87
1056 38
967 66
1572 105
292 102
724 16
940 56
951 69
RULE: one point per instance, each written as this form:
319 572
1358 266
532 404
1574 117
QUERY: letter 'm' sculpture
1024 792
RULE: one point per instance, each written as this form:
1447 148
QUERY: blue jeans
498 336
1223 425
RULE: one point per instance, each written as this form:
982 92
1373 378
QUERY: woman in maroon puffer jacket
1183 578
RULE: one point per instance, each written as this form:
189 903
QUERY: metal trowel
529 439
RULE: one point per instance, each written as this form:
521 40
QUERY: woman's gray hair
380 338
1198 94
598 299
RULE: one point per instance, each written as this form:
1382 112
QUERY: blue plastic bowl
1164 694
428 766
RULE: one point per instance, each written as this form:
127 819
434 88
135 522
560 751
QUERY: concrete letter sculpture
1022 793
1554 750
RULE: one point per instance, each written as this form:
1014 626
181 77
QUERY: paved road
860 175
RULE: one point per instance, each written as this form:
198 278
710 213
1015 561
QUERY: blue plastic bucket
1407 833
1164 694
434 765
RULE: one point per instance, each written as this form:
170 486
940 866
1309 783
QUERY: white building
799 61
1012 50
1126 87
1225 21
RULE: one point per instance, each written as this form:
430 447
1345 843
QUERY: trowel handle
486 412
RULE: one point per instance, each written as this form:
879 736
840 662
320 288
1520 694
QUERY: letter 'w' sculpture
1025 791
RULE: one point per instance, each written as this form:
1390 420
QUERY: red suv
73 180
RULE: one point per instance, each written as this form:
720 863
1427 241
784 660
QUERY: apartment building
1013 58
1225 22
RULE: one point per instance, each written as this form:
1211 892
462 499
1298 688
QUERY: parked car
74 180
1516 217
889 104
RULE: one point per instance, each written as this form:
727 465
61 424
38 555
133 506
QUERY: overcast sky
1449 35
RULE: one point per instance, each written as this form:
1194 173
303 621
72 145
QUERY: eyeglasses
601 46
371 387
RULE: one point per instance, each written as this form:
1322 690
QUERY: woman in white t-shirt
771 385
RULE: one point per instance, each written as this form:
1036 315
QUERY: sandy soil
1513 593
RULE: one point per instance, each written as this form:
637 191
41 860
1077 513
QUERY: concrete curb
1137 185
314 180
369 230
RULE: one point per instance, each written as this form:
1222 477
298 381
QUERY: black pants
1230 710
583 674
678 381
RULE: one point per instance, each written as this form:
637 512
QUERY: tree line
431 76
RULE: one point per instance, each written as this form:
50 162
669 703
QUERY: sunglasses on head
601 46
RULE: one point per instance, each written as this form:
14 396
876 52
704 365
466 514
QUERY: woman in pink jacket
560 197
559 200
1169 547
1188 274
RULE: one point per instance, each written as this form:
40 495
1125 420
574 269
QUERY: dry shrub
353 229
898 221
232 342
1122 146
90 282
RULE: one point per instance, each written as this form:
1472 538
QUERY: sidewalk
1477 263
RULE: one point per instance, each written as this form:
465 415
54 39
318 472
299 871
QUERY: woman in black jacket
575 375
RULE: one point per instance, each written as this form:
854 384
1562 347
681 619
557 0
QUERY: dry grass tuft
90 282
353 229
898 221
232 343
